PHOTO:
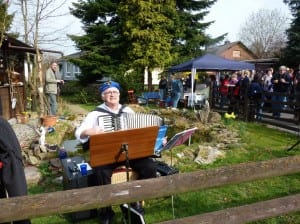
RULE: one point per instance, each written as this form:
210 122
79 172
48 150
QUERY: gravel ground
27 133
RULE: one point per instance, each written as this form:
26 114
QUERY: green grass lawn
258 142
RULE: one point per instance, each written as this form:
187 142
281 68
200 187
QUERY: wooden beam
245 213
24 207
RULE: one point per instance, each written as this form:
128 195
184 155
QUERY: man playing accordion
95 123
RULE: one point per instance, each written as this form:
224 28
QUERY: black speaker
73 179
164 169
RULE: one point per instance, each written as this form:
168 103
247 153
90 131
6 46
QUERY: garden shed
13 72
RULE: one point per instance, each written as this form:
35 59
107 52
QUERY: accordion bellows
129 121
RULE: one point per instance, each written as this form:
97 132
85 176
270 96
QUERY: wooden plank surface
106 148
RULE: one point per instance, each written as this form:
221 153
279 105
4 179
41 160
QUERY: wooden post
40 83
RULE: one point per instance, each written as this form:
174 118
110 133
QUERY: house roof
218 50
13 43
74 55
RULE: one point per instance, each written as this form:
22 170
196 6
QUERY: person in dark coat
281 82
12 175
256 95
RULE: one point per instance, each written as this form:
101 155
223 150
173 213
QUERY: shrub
74 92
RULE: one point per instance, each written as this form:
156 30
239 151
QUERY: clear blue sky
230 15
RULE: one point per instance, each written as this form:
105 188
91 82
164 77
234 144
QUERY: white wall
155 76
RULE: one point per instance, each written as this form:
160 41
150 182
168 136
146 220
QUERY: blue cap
109 84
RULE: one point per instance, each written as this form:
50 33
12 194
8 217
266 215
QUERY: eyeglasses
114 92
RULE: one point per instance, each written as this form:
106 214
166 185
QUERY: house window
76 71
68 69
236 54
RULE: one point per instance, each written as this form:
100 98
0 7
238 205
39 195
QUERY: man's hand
92 131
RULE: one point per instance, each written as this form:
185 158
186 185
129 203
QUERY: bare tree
38 21
37 24
264 32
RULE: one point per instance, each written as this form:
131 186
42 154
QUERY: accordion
127 121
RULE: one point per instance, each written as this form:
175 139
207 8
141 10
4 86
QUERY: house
238 51
68 70
232 50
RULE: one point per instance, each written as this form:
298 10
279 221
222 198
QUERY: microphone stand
124 149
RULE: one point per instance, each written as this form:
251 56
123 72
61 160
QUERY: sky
229 16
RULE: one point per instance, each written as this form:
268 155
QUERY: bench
149 97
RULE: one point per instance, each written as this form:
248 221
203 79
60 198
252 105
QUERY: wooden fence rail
60 202
246 213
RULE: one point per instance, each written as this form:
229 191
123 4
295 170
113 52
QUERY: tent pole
193 73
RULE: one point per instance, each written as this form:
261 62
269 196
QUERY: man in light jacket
51 86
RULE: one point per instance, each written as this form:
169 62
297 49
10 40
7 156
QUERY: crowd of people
267 89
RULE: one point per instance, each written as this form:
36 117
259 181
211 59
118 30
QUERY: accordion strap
100 109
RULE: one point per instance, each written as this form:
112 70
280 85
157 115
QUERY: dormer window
236 54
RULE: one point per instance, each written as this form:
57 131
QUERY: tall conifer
291 56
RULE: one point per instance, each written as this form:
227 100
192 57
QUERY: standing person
51 86
163 88
177 90
224 91
94 124
297 96
12 175
244 83
267 86
234 94
281 82
255 95
188 83
291 93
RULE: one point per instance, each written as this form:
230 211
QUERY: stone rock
56 162
32 174
33 160
215 117
208 154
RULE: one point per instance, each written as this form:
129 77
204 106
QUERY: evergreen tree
5 20
291 55
102 45
146 27
190 39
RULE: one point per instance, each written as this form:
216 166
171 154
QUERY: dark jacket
163 84
281 87
255 90
12 175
